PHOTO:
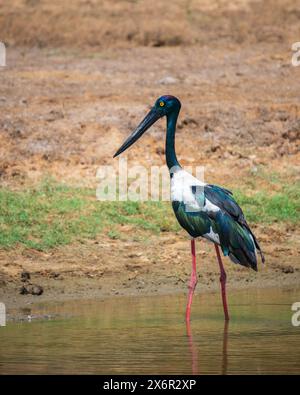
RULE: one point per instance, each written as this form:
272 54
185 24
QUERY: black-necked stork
201 209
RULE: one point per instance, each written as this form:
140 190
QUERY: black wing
223 198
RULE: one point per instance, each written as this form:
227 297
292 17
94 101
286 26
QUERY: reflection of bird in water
203 210
225 342
194 351
193 348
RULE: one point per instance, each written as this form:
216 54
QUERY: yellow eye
161 103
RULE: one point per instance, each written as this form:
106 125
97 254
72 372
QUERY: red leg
223 283
193 282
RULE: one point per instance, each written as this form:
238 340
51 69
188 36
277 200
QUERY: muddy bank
108 268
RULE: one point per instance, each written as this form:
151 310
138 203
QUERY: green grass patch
268 207
52 214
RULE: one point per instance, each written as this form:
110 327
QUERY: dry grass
119 23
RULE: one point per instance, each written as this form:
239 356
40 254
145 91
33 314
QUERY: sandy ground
69 97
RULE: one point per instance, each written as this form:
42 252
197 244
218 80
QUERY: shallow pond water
148 335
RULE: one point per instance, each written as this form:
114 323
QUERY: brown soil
79 78
108 267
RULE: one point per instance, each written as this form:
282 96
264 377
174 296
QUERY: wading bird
203 210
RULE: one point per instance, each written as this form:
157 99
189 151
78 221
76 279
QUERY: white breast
181 189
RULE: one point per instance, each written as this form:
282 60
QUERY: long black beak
148 121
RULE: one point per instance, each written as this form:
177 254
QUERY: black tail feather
257 246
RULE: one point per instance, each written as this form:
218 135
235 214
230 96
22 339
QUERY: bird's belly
211 237
196 224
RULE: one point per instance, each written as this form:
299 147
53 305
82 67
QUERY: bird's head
167 104
164 106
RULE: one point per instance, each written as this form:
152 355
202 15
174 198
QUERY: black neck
170 140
